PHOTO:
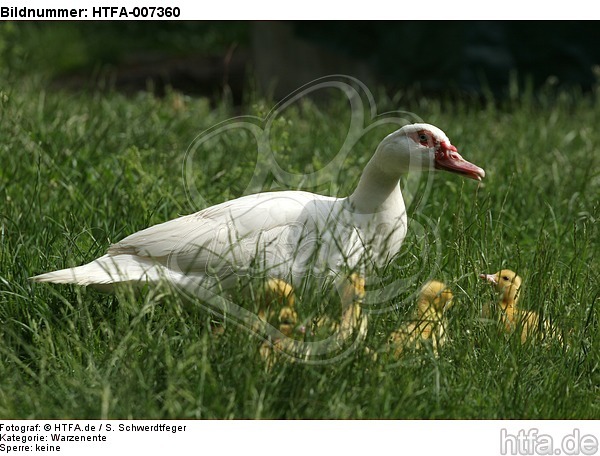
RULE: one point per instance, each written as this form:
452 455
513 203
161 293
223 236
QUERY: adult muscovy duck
286 234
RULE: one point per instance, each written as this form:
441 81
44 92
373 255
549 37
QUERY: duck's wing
228 235
259 231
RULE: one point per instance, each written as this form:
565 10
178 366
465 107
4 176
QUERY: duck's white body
286 235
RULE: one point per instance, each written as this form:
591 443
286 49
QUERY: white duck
286 234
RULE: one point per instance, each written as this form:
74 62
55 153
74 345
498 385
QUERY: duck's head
506 282
435 294
424 146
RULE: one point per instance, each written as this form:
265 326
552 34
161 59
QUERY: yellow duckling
508 284
352 295
429 323
287 324
352 319
280 302
276 307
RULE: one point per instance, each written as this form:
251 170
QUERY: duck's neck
427 311
509 307
378 190
510 296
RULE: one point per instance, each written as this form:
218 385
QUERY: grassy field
80 171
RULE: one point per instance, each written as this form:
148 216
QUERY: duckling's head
506 282
287 321
435 294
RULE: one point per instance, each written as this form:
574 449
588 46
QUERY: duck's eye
423 138
505 278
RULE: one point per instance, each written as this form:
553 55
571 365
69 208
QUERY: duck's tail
106 271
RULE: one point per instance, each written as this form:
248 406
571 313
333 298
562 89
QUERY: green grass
79 171
75 47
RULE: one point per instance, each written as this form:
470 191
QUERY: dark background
433 57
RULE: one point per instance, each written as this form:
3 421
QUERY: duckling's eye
505 278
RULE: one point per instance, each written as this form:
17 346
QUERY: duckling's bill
490 278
